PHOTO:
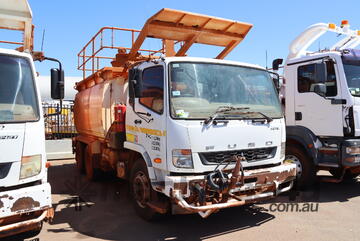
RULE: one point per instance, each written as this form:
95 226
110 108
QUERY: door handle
338 101
298 116
137 122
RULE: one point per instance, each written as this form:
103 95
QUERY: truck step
329 150
328 164
329 179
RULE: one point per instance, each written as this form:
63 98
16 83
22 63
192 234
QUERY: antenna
42 41
266 59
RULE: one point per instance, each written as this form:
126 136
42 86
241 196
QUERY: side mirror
320 89
137 88
134 86
276 79
57 84
276 63
132 92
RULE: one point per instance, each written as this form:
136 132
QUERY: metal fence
59 126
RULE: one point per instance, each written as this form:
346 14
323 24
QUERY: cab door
318 100
146 125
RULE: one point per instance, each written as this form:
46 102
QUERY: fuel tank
94 106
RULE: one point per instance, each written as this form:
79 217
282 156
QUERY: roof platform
17 15
190 28
173 28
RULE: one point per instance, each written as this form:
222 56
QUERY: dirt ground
328 212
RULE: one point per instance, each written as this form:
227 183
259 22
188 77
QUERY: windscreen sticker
182 114
176 93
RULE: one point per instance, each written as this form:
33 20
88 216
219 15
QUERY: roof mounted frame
299 46
17 15
192 28
173 27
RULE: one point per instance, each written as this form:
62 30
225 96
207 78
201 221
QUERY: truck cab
25 194
23 178
193 108
196 115
321 104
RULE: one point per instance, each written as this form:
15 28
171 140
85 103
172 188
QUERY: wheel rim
141 189
294 159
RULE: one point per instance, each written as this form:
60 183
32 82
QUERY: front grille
16 187
251 155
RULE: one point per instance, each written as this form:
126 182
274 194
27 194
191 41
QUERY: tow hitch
229 188
220 182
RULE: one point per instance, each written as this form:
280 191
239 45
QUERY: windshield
197 90
17 92
352 73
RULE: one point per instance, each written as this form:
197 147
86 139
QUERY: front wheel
305 169
141 191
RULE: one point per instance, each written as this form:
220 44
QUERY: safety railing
91 55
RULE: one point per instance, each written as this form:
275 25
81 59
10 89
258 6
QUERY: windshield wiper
268 118
222 109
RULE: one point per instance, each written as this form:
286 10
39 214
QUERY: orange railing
10 42
94 51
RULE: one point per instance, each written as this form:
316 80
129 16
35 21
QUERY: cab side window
331 88
152 89
308 76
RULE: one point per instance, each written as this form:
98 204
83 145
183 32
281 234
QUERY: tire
79 157
305 168
141 191
347 175
92 174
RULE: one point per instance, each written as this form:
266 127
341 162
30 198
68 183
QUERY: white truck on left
25 194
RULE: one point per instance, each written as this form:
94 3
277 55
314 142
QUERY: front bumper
23 209
350 160
257 185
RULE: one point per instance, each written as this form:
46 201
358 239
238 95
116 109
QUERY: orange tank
95 106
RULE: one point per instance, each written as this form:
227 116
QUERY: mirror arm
278 79
58 112
61 107
55 60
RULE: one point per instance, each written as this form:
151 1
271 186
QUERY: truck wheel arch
304 139
140 150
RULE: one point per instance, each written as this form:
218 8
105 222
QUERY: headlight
282 150
354 150
30 166
181 158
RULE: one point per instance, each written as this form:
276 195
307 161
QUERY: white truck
25 194
321 94
192 135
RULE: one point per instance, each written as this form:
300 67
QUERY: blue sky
69 24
